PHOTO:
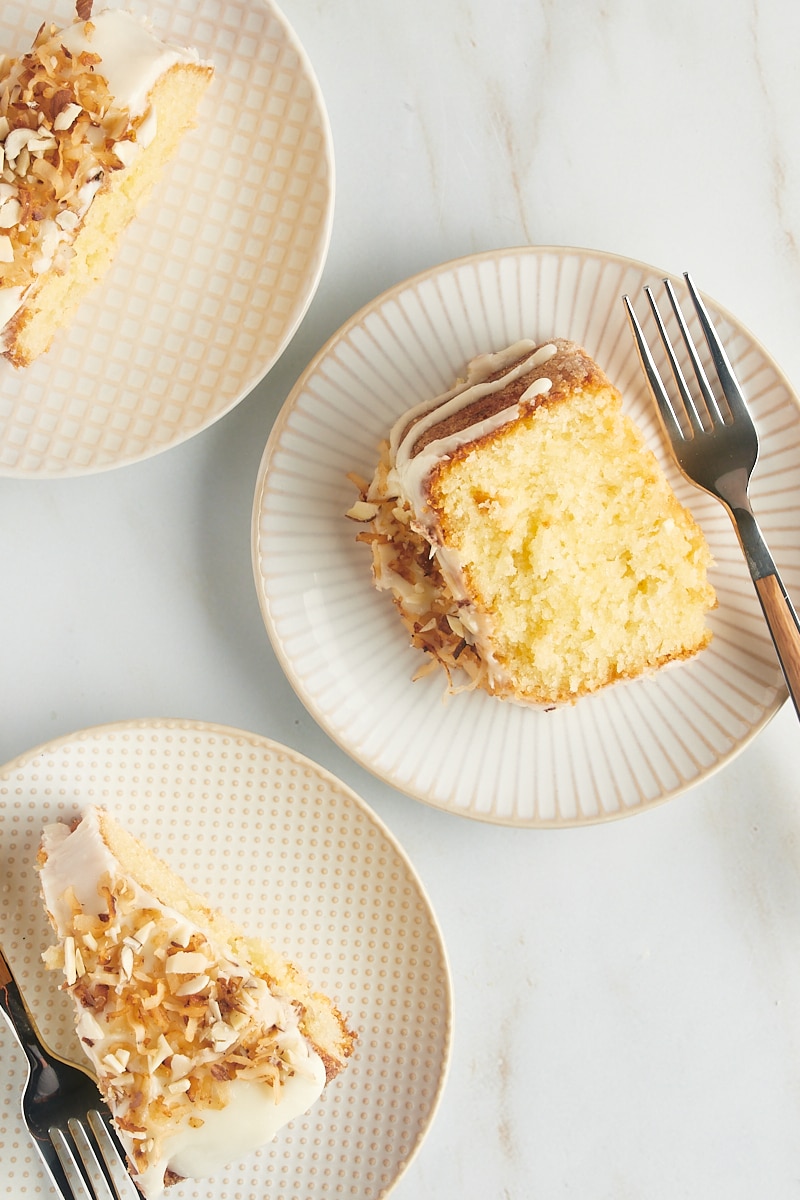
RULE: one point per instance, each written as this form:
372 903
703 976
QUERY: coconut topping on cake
199 1059
74 111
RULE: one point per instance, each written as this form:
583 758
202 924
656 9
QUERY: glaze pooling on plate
339 641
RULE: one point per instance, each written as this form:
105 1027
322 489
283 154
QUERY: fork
716 448
65 1115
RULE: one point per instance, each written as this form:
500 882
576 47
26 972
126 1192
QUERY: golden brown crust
332 1065
569 370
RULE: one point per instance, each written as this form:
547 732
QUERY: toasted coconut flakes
53 958
186 962
10 212
114 1063
193 986
58 129
404 562
155 999
179 1051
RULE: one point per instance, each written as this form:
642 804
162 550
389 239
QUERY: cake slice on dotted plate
205 1041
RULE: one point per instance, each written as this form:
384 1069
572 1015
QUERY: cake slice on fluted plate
205 1041
532 544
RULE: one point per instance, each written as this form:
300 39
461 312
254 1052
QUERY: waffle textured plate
214 276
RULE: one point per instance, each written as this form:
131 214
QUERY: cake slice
88 118
532 544
205 1041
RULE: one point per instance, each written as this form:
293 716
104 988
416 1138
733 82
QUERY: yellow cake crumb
547 557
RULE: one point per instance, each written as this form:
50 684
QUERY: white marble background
627 996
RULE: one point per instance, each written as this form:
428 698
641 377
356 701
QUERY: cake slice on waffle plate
88 118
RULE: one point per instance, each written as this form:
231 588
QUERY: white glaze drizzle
409 470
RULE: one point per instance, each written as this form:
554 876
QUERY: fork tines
698 418
91 1160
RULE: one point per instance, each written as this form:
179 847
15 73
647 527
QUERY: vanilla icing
76 863
133 60
410 471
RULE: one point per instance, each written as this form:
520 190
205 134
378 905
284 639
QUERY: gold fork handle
783 626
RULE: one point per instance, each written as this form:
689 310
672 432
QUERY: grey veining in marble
627 996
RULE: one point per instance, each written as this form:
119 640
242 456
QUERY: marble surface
628 995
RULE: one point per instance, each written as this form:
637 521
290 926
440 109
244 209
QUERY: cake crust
570 370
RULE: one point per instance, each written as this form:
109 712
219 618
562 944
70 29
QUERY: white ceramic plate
345 651
213 277
290 852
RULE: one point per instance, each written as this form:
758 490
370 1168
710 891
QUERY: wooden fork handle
778 609
785 630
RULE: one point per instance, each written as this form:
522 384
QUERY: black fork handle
778 609
41 1074
18 1017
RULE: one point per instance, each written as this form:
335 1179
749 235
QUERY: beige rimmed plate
343 647
290 852
214 276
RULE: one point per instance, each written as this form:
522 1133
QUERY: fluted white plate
213 277
341 643
292 854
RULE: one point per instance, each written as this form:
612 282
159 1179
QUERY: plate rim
138 724
75 470
450 266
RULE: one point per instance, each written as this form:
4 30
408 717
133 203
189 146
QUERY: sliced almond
362 510
10 213
67 117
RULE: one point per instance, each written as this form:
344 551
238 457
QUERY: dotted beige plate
290 852
213 277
